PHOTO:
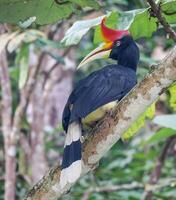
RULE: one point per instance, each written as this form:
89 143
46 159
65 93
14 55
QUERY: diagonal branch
114 124
157 12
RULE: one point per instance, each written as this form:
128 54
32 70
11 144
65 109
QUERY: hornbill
97 93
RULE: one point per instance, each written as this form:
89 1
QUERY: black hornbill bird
97 93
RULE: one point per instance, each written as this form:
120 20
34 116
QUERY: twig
48 73
129 186
154 177
25 96
157 12
112 188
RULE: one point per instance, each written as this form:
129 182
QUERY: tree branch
109 130
157 12
112 188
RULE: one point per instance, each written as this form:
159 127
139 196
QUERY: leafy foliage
132 20
44 12
139 123
172 99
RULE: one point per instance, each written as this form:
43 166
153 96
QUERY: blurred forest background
38 59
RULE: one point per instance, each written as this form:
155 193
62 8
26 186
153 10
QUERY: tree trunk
9 140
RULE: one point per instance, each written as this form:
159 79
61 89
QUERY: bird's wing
98 89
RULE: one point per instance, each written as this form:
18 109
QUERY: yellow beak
102 51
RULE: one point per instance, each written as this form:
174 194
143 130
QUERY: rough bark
109 130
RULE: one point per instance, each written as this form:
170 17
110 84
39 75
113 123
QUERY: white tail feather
74 133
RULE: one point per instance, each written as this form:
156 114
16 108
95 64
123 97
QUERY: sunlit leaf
168 121
172 99
78 30
27 22
139 123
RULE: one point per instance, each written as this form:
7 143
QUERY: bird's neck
128 64
129 57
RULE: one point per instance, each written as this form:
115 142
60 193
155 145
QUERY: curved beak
100 52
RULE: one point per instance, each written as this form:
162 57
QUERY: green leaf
78 30
161 135
22 60
85 3
169 10
142 25
44 12
139 123
138 22
168 121
172 99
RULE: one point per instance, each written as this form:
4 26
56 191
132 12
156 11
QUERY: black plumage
99 88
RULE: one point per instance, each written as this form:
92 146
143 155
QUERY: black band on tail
71 154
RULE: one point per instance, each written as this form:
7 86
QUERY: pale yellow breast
97 114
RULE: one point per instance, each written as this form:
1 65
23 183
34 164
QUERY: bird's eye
117 44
